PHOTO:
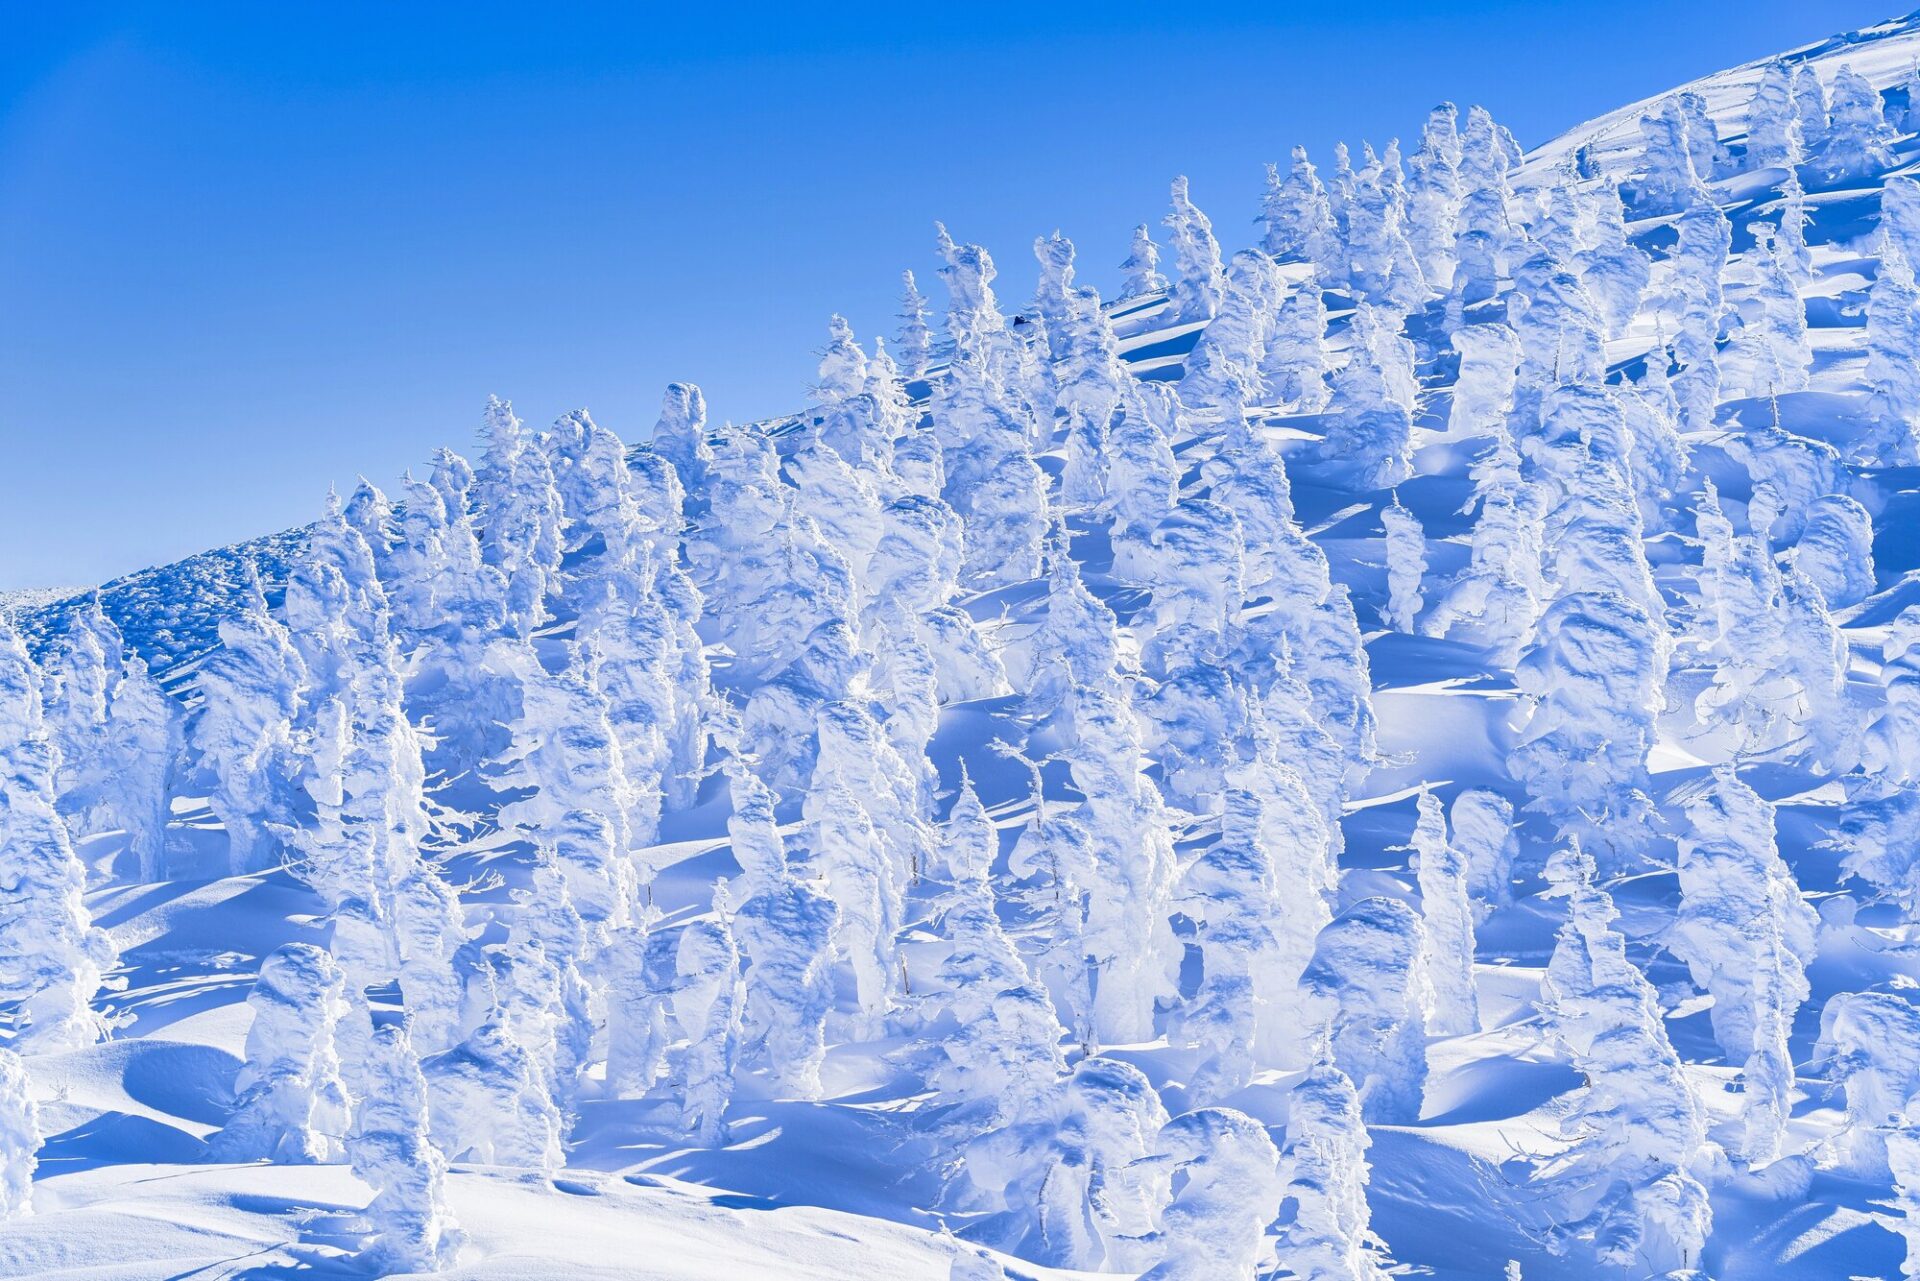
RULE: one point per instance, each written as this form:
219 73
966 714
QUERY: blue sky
250 250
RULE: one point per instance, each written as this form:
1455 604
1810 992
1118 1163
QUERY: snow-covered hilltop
1395 749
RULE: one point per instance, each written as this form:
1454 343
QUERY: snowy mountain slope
1556 1135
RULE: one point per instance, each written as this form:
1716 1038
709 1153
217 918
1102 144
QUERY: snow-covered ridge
1389 749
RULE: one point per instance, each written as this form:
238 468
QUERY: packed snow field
1394 752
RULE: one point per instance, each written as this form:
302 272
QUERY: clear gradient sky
248 250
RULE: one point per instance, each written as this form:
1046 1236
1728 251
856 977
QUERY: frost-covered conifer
289 1104
1142 266
1810 105
1446 917
1102 1191
1129 942
707 1003
117 737
522 536
1225 364
1858 140
1636 1127
1433 194
1406 564
1296 363
1773 128
1383 265
1870 1044
1004 1050
1213 1227
1483 389
1769 354
1142 475
1744 931
1324 1165
1835 550
680 434
412 1230
865 884
249 689
1298 220
546 1002
785 929
1893 328
1482 822
1561 336
1370 993
1892 747
1669 177
565 748
1496 599
1196 256
1373 432
1613 270
489 1104
429 930
51 955
1261 895
19 1138
1593 675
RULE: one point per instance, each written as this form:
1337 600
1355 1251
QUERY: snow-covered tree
52 957
117 736
1433 195
707 1003
1324 1166
1858 140
1496 598
1810 105
1483 389
1745 934
1406 564
1446 922
1196 256
1893 327
522 536
1142 266
1297 361
19 1138
289 1103
1483 834
250 690
1298 221
1102 1189
1769 354
1667 178
1835 551
1373 432
1259 896
1214 1226
680 434
1773 128
1593 676
1370 993
411 1228
1870 1045
488 1103
1627 1182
